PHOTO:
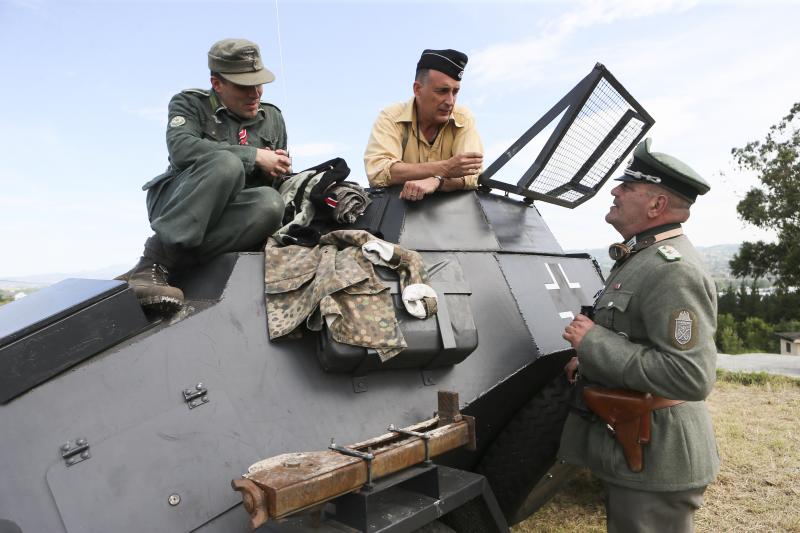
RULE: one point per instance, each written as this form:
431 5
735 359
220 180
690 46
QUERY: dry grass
757 423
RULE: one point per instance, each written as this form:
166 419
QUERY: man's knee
223 169
270 209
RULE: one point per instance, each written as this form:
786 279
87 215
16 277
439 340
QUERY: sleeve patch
177 121
669 253
683 329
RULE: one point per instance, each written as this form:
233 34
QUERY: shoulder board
267 104
669 253
196 92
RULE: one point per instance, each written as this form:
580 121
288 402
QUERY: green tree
728 340
774 204
757 335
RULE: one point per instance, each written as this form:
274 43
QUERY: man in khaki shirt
429 143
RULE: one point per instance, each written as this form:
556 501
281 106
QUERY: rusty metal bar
289 483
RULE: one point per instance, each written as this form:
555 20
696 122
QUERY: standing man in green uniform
225 148
429 143
653 332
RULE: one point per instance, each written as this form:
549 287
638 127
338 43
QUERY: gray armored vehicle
113 420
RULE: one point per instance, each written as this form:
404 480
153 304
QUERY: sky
86 87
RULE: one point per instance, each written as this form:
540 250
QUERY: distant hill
42 280
716 258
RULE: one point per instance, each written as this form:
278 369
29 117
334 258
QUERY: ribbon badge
243 136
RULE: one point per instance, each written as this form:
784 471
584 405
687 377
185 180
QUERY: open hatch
599 123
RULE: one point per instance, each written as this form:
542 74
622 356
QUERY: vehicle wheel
434 527
521 463
472 517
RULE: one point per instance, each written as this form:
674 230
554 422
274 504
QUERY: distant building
790 342
20 295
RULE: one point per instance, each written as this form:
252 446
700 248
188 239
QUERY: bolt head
80 442
200 386
85 455
174 499
65 447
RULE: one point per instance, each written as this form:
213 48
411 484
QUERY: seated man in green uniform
429 143
225 148
652 332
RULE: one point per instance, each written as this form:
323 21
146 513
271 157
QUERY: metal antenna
280 53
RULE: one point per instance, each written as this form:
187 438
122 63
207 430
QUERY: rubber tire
472 517
524 453
435 527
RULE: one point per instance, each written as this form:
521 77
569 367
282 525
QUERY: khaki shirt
385 146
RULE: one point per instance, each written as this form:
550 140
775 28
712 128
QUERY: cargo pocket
611 310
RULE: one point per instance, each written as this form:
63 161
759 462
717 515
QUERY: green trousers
638 511
206 210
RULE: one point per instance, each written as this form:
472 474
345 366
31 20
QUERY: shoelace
159 274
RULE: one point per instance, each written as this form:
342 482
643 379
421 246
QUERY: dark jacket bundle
317 198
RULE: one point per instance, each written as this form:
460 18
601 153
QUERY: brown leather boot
148 279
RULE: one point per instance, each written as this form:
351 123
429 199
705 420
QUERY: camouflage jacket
336 283
654 332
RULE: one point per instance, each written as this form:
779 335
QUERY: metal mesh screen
598 116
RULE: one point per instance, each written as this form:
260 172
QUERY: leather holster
627 415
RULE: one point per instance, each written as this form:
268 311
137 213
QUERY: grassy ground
757 423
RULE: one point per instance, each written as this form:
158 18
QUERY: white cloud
156 112
523 62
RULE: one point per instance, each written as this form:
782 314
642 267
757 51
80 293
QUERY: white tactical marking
572 285
567 314
554 285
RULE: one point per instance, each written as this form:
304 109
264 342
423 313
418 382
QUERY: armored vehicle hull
149 462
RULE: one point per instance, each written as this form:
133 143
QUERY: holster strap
659 402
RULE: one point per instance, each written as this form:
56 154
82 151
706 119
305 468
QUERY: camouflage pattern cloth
335 283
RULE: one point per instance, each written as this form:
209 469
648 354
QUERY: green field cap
238 61
664 170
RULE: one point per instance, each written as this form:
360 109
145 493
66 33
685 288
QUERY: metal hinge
196 396
74 453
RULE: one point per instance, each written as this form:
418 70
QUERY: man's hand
571 369
462 165
577 329
275 163
417 189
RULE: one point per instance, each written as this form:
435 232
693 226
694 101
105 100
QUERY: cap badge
460 74
177 121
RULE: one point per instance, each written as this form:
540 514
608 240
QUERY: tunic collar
217 106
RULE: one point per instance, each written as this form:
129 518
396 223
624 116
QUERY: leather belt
659 402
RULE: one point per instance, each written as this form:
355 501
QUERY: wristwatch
441 182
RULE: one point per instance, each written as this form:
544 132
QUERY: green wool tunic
655 325
212 198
